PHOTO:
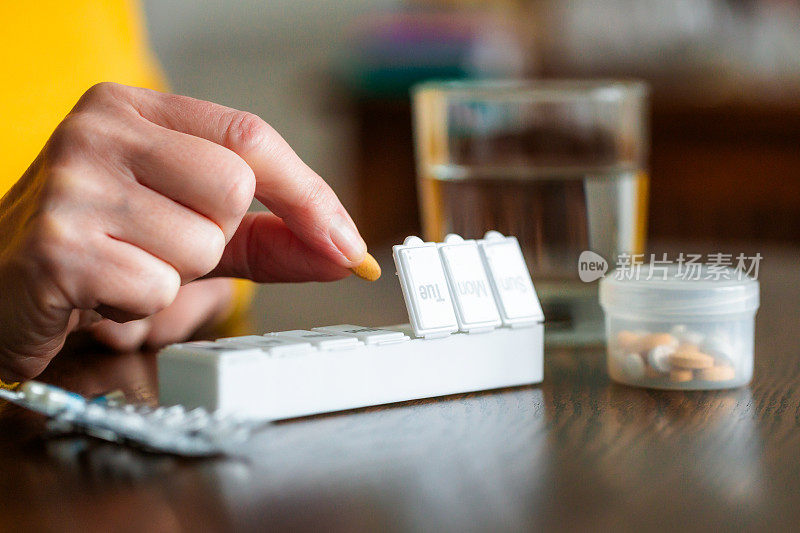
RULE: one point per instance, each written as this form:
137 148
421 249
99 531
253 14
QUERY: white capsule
658 357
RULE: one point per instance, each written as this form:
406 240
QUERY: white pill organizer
475 324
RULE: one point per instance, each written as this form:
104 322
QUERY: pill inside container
678 330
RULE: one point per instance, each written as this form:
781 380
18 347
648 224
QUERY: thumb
264 249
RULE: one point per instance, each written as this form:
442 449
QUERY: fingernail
346 238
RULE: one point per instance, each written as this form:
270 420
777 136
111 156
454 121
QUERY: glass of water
559 164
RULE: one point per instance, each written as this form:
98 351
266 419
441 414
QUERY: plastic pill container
672 330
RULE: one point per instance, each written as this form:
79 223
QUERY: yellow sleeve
51 52
8 386
236 320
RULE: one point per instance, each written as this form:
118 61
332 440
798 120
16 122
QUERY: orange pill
369 269
658 339
688 347
628 341
680 375
717 373
691 360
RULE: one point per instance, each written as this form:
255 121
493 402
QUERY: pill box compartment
670 330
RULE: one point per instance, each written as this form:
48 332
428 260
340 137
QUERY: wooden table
575 453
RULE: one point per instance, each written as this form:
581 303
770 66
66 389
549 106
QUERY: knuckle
50 293
76 197
53 255
247 132
315 199
51 237
73 138
241 187
64 184
65 139
101 93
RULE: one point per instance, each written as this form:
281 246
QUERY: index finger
284 183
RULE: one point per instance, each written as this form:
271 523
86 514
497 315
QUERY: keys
424 286
369 336
320 339
475 306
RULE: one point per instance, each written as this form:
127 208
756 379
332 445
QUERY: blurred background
334 76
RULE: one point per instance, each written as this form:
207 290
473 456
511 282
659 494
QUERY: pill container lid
670 292
424 286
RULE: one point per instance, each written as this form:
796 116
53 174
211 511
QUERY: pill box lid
514 310
671 292
428 321
463 258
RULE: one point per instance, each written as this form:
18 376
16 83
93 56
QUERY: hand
199 303
137 193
